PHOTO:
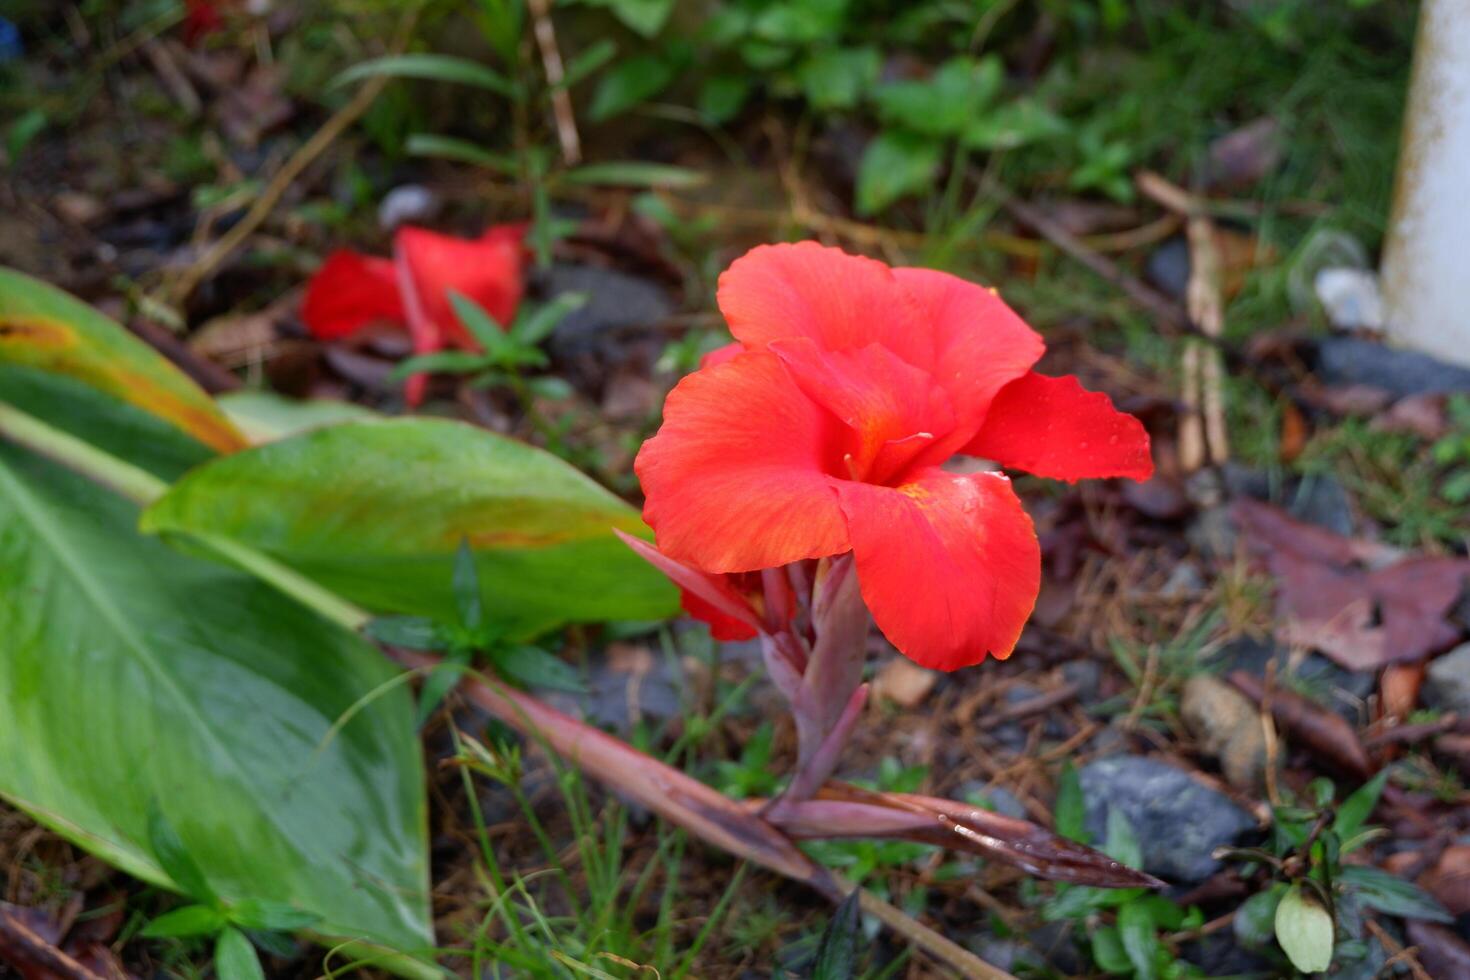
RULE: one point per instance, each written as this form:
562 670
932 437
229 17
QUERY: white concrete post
1426 261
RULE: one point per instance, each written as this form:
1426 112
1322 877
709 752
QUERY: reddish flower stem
671 794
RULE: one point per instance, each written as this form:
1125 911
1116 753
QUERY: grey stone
1345 692
1087 675
1447 683
1179 823
1111 741
1167 267
1318 499
1354 361
407 203
616 302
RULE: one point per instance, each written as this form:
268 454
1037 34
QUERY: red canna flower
351 290
823 430
201 19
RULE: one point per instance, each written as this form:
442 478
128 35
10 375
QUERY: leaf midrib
66 558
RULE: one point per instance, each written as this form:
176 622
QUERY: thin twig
23 947
1144 296
946 951
561 99
1397 952
183 287
1202 435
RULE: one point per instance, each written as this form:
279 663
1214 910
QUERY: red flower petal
737 478
894 410
949 565
980 344
722 627
488 270
721 354
1054 427
349 292
779 292
706 597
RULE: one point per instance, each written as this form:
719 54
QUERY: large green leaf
141 689
42 327
376 510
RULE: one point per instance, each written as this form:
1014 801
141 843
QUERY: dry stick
928 940
1202 436
561 99
23 946
334 127
696 807
1146 297
1398 953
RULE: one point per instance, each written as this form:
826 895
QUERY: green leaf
174 858
1304 930
375 511
271 916
485 328
838 79
212 700
721 97
429 67
439 362
630 83
837 952
235 958
191 920
533 667
113 426
644 17
550 388
1358 807
1108 952
801 23
633 173
944 104
895 164
463 151
1140 940
535 324
1389 893
26 127
466 582
264 416
1122 843
1010 126
439 683
409 632
1070 815
43 328
587 62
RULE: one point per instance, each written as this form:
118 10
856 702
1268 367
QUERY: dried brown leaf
1325 734
1333 596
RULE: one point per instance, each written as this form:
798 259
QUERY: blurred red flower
822 431
352 290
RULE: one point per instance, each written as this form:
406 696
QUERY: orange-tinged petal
721 354
949 565
1053 427
488 270
739 476
837 300
980 344
349 292
894 410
